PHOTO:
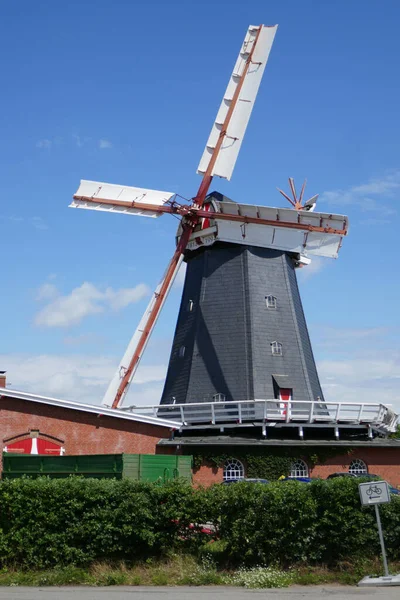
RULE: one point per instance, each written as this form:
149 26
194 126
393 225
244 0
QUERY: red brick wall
384 462
207 475
80 432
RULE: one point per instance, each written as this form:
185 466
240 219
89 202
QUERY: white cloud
39 223
121 298
316 265
362 379
83 301
84 378
80 378
103 144
358 364
367 196
45 143
47 291
36 222
80 141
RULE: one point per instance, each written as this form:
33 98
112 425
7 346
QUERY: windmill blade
223 145
293 188
286 196
119 384
310 204
302 232
94 195
303 187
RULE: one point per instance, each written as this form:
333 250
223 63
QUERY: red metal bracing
192 214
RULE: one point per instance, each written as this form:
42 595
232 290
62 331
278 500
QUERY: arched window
299 469
270 301
358 467
233 469
276 348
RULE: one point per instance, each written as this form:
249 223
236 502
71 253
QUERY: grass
186 570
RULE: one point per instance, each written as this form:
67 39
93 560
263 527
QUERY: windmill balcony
267 413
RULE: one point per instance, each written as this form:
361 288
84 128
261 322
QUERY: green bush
265 524
60 522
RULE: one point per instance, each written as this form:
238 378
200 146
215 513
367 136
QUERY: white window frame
190 306
233 469
219 397
358 467
299 468
270 301
276 349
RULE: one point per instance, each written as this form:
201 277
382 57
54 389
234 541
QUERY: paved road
198 593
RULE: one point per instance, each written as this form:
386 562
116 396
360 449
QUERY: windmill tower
241 332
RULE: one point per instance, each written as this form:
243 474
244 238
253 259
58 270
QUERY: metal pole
378 520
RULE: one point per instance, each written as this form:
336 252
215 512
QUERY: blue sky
126 92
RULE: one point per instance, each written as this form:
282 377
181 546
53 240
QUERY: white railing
291 412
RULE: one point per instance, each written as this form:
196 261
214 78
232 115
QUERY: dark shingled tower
228 335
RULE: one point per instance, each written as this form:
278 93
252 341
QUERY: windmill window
219 397
358 467
182 351
270 301
298 469
190 305
276 348
233 469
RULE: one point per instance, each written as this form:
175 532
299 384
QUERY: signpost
374 493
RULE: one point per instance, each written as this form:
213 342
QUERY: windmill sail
115 383
259 40
128 200
280 232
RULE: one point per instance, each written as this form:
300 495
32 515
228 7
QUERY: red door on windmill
285 395
34 445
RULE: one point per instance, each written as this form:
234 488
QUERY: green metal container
143 467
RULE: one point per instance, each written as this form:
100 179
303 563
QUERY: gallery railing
264 411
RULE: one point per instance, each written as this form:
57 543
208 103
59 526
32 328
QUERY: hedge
49 522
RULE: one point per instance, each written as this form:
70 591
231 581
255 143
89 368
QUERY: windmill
214 235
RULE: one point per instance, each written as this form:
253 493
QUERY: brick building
380 456
72 428
38 424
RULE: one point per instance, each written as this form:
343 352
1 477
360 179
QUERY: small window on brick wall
190 306
358 467
298 469
276 348
182 351
233 469
219 397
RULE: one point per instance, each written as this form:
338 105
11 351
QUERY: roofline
90 408
378 443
